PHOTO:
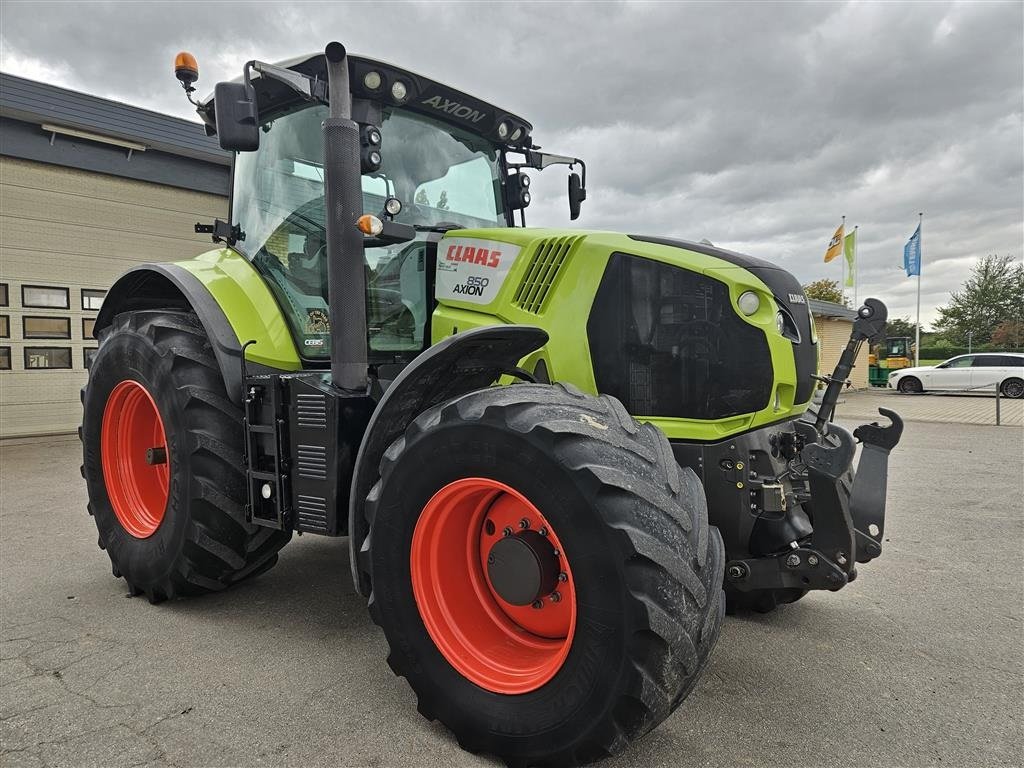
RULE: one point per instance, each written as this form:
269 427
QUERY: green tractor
557 454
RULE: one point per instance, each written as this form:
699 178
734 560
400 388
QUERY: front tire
910 385
640 577
162 447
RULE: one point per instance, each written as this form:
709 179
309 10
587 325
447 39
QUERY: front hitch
847 508
867 497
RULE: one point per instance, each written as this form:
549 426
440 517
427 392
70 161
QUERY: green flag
850 252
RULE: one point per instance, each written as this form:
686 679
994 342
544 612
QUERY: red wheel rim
499 646
136 476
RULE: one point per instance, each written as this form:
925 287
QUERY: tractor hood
656 322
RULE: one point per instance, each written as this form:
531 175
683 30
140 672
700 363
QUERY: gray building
88 188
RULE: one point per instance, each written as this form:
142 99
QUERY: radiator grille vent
312 513
311 461
543 272
311 411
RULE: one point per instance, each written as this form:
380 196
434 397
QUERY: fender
205 287
461 363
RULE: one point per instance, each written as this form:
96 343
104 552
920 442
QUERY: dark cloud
755 125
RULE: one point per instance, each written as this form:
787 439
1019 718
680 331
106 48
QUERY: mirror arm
309 88
541 160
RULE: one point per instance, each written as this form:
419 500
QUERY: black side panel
783 286
666 342
302 435
461 363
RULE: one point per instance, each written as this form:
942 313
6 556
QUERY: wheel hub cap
523 568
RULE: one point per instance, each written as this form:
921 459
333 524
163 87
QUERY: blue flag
912 253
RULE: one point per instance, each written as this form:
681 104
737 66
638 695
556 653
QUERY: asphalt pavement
919 662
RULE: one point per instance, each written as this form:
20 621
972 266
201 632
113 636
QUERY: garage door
65 236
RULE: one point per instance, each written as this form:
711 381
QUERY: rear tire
646 568
910 385
1012 388
198 540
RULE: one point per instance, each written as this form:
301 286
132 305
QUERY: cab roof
423 95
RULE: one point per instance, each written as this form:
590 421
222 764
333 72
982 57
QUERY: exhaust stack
343 203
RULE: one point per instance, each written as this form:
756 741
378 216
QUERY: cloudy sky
755 125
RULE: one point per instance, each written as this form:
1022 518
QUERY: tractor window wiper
436 227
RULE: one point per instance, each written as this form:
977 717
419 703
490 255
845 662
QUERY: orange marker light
369 225
186 69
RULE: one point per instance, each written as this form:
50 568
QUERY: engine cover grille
542 273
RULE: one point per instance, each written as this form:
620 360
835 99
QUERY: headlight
399 91
894 373
372 80
780 322
748 302
502 130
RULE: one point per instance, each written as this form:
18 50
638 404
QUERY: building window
5 327
92 299
47 357
90 353
33 327
88 327
45 296
3 295
5 358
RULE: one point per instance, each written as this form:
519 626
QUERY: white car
981 372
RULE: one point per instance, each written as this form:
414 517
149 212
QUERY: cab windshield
442 175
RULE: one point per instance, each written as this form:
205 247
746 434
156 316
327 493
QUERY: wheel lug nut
524 523
543 531
538 604
507 531
563 577
556 597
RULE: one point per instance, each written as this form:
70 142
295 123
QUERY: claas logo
471 255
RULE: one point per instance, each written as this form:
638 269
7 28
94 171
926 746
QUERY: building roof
34 102
831 309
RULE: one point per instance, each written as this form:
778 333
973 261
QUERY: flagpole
920 258
856 272
842 267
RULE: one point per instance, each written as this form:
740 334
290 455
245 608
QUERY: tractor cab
432 159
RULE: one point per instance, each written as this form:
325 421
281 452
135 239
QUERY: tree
1009 334
900 326
991 295
825 290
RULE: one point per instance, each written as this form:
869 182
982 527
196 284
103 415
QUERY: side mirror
577 194
235 109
